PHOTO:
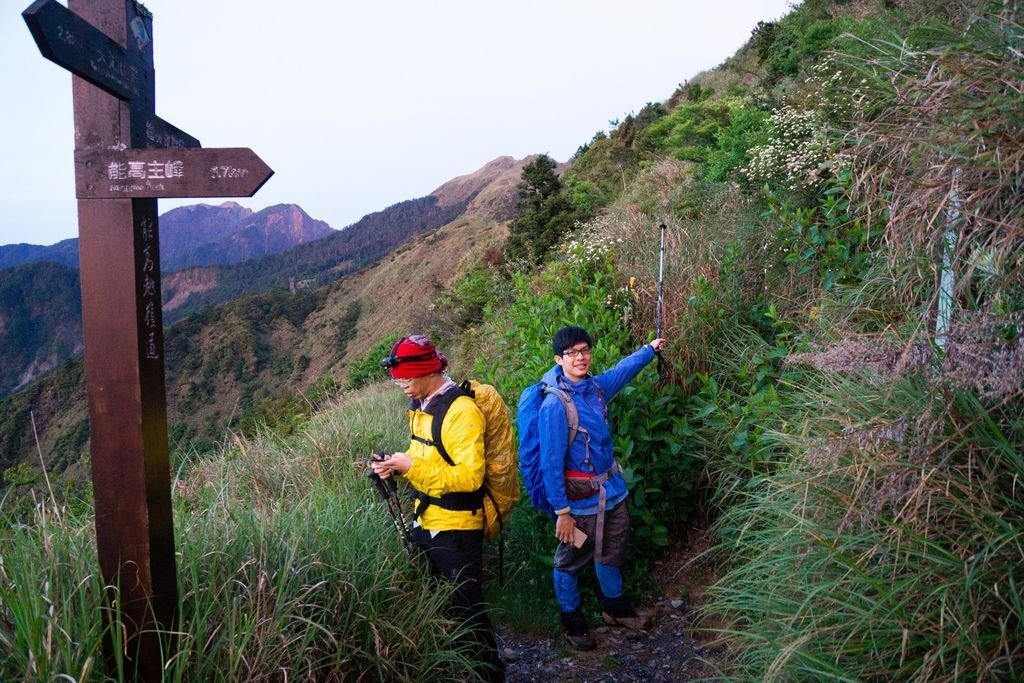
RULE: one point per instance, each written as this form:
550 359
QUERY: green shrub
748 128
826 240
600 173
649 430
366 369
478 287
689 132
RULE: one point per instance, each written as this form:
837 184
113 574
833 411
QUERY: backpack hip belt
585 485
468 501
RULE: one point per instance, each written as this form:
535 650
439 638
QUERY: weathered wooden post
126 157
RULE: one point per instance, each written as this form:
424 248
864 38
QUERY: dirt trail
669 651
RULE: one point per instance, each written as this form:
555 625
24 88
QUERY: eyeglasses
573 354
402 382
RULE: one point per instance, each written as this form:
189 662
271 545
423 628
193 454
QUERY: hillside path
671 650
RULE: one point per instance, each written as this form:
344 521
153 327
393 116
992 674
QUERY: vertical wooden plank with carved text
125 157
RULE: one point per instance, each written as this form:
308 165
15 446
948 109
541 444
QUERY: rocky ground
670 650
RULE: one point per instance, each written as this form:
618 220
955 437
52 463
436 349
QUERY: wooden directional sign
68 40
125 157
172 172
159 133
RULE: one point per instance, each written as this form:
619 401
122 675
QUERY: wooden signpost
181 172
126 157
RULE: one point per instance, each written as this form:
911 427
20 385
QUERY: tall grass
887 549
288 568
872 514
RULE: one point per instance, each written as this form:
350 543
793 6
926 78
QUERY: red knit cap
414 356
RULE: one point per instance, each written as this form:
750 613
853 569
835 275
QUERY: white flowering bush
799 153
589 246
590 254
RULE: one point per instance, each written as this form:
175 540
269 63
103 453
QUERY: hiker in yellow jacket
449 495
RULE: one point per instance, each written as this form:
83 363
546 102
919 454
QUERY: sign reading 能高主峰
171 172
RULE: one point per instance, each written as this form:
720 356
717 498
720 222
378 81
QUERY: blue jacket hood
551 376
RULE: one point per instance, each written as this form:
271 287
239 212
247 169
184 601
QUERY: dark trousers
458 556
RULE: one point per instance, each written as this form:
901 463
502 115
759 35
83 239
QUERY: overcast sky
357 106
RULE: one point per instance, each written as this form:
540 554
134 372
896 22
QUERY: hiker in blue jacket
584 484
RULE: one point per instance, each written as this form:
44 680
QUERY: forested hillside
40 322
839 408
364 242
269 357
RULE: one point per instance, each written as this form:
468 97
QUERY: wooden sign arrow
159 133
171 172
70 41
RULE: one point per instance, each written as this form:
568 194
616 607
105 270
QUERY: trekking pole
388 490
661 279
661 298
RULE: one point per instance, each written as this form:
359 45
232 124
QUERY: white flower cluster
837 93
622 301
797 154
588 246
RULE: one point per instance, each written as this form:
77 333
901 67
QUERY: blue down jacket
554 432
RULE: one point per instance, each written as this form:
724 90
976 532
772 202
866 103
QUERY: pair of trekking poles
388 490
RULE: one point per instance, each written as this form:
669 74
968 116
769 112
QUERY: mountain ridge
487 193
200 235
227 359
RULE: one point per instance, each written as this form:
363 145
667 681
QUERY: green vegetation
286 564
842 395
586 288
861 463
21 419
237 353
41 314
545 214
863 459
367 370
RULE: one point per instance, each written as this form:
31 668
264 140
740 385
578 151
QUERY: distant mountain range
213 254
314 264
64 252
304 316
40 299
200 235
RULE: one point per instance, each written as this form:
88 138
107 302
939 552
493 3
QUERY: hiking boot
574 625
619 612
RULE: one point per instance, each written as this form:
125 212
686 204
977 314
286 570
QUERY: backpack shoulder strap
572 416
437 411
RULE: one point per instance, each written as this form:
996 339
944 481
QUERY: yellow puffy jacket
462 433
